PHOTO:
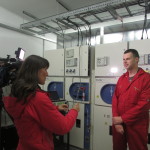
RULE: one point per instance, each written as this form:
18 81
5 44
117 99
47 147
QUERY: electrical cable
97 34
147 28
76 27
62 33
86 34
147 9
78 36
123 31
144 25
89 35
81 36
70 93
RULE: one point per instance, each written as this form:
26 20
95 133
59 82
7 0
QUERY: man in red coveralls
130 106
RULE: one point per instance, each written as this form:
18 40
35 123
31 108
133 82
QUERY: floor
59 145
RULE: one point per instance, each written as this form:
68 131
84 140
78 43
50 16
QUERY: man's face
129 61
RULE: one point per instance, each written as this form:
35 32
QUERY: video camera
9 67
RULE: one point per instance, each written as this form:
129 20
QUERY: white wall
11 40
50 45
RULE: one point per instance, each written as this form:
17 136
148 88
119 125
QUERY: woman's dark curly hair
26 82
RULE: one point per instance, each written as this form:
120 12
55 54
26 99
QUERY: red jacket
131 100
37 120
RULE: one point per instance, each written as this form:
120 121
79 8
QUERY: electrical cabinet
109 59
142 46
56 61
80 133
104 90
102 128
77 89
55 84
77 61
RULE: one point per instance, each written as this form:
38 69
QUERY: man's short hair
133 51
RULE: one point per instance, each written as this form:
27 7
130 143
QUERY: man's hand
119 129
63 107
117 120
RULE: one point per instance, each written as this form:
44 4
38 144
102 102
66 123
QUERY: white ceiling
75 4
44 8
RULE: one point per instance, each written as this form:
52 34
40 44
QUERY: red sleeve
47 115
143 105
115 102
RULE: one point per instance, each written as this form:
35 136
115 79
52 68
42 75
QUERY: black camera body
9 67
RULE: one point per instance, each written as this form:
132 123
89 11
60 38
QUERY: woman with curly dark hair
34 115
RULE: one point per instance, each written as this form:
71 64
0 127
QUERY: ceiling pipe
111 23
128 10
113 12
25 32
46 27
74 12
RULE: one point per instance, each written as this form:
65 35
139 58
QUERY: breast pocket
134 95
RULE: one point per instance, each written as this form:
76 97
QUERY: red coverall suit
37 120
131 101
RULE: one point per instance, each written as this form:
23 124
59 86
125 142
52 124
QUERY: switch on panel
70 53
78 123
148 138
110 130
102 61
142 60
147 59
71 62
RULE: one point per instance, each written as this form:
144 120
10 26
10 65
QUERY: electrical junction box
102 128
71 62
77 61
103 61
104 90
55 84
56 61
109 59
142 46
77 89
79 136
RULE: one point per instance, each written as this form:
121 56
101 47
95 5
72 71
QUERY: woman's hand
76 107
63 107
